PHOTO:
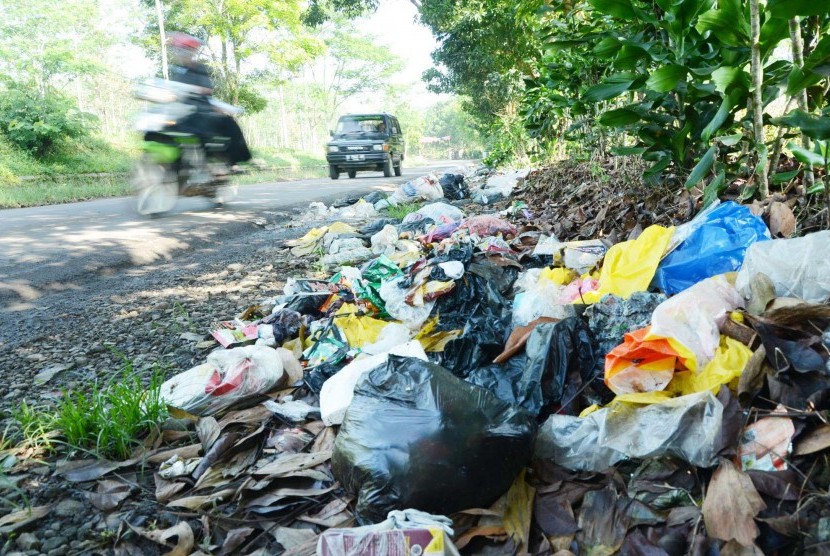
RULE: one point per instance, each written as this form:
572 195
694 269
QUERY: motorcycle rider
207 121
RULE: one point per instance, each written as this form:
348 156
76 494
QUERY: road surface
56 248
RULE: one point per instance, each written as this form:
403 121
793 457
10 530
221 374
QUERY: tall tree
49 44
249 42
354 64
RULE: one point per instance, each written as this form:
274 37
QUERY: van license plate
355 157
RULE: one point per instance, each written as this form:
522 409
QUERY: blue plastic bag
717 244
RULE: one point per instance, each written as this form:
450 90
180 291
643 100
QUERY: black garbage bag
556 369
286 324
560 361
417 437
315 377
377 225
478 307
374 197
416 227
309 296
346 201
506 381
453 186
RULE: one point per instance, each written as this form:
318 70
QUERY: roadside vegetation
109 420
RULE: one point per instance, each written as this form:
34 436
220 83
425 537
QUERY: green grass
401 210
109 420
64 189
282 158
59 180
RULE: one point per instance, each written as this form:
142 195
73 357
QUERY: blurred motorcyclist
207 121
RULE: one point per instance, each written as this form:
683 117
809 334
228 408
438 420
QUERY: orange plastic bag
640 364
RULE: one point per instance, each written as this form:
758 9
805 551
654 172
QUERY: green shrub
36 122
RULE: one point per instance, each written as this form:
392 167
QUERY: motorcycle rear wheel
156 189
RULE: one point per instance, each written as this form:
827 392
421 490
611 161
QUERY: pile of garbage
470 383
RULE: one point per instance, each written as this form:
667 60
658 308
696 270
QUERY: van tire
387 168
334 173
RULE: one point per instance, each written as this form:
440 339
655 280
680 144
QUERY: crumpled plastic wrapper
688 427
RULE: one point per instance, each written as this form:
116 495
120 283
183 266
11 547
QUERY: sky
395 25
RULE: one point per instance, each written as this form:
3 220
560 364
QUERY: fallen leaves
731 505
109 495
15 520
181 532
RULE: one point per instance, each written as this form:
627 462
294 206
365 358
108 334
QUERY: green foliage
37 122
400 211
242 29
49 43
36 427
111 419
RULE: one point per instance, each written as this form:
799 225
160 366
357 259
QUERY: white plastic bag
393 334
397 307
441 212
337 392
538 298
227 377
798 267
694 317
383 242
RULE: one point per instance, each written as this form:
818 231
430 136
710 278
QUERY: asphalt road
46 250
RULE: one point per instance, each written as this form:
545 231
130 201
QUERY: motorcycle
175 161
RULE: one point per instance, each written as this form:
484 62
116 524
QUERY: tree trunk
163 39
757 103
798 60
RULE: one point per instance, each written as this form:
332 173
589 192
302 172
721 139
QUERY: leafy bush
37 122
108 420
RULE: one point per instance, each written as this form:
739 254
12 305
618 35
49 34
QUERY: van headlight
333 149
379 147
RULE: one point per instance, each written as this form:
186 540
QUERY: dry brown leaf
165 490
289 463
278 494
333 514
208 430
485 531
325 440
251 416
814 441
519 511
109 495
731 505
213 477
234 539
314 427
291 538
240 462
184 452
80 471
15 520
733 548
216 452
781 220
183 532
198 502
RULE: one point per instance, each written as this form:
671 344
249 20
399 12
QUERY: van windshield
361 125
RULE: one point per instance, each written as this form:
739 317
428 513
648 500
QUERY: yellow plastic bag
341 228
358 330
629 266
559 276
726 367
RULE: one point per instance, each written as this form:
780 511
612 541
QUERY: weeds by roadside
400 211
108 420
